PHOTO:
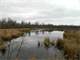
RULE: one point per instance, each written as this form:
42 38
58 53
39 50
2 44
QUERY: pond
26 47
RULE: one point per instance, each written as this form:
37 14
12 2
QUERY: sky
42 11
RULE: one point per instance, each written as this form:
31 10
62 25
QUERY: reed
70 44
8 34
47 43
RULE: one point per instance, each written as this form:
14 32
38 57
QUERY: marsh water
26 47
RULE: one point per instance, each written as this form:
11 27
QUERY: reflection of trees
2 47
3 51
39 44
19 49
43 32
37 32
29 33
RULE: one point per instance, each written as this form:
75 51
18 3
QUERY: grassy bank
8 34
70 44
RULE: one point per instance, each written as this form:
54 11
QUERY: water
29 49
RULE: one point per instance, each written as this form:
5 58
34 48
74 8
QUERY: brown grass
71 44
8 34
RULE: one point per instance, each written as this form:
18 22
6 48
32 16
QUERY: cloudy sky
42 11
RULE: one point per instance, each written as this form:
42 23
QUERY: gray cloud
42 11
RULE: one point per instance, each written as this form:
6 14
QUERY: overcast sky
42 11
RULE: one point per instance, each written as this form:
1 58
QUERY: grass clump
47 43
60 44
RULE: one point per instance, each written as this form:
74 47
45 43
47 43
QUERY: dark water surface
29 49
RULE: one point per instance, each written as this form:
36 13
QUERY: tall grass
8 34
60 44
70 44
47 43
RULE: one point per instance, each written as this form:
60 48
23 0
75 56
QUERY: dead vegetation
8 34
70 44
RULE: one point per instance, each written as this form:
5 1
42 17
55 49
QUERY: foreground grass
9 34
70 44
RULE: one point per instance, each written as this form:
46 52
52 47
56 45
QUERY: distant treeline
10 23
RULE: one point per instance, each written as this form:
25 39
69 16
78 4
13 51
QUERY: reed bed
8 34
70 44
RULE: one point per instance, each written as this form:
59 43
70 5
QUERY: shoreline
8 34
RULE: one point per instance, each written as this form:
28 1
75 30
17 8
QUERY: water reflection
39 44
33 44
3 51
2 48
29 33
36 32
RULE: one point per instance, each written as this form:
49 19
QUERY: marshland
26 41
39 29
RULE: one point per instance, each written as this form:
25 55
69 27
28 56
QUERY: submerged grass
47 43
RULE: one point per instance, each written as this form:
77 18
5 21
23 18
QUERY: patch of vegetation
60 44
70 44
47 43
8 34
7 23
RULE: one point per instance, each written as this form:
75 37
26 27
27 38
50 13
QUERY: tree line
10 23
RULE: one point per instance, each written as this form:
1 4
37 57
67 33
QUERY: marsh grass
8 34
70 44
47 43
60 44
